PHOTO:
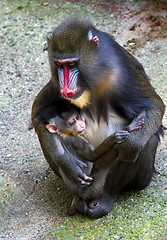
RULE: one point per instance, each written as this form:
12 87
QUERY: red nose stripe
66 91
66 78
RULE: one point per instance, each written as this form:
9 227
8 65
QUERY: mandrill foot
79 205
100 207
96 208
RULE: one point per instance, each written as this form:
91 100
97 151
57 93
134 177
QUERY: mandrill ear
93 39
45 47
52 128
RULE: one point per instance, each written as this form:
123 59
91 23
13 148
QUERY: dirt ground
34 203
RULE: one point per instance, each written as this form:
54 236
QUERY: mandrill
92 72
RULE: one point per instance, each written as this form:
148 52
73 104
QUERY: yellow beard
83 100
70 134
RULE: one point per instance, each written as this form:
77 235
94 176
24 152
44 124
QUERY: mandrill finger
88 178
85 183
121 136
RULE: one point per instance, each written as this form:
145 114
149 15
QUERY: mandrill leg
95 208
101 206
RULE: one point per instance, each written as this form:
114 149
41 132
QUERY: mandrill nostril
67 93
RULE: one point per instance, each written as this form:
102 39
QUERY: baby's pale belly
96 133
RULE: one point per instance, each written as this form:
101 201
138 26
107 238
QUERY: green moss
134 216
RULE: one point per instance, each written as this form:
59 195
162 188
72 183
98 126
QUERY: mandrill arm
55 152
137 140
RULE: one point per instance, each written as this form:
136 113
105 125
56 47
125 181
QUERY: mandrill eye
59 64
72 64
72 123
77 117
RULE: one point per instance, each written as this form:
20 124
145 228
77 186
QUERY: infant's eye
72 123
77 117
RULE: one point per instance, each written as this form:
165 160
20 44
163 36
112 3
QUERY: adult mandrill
91 71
